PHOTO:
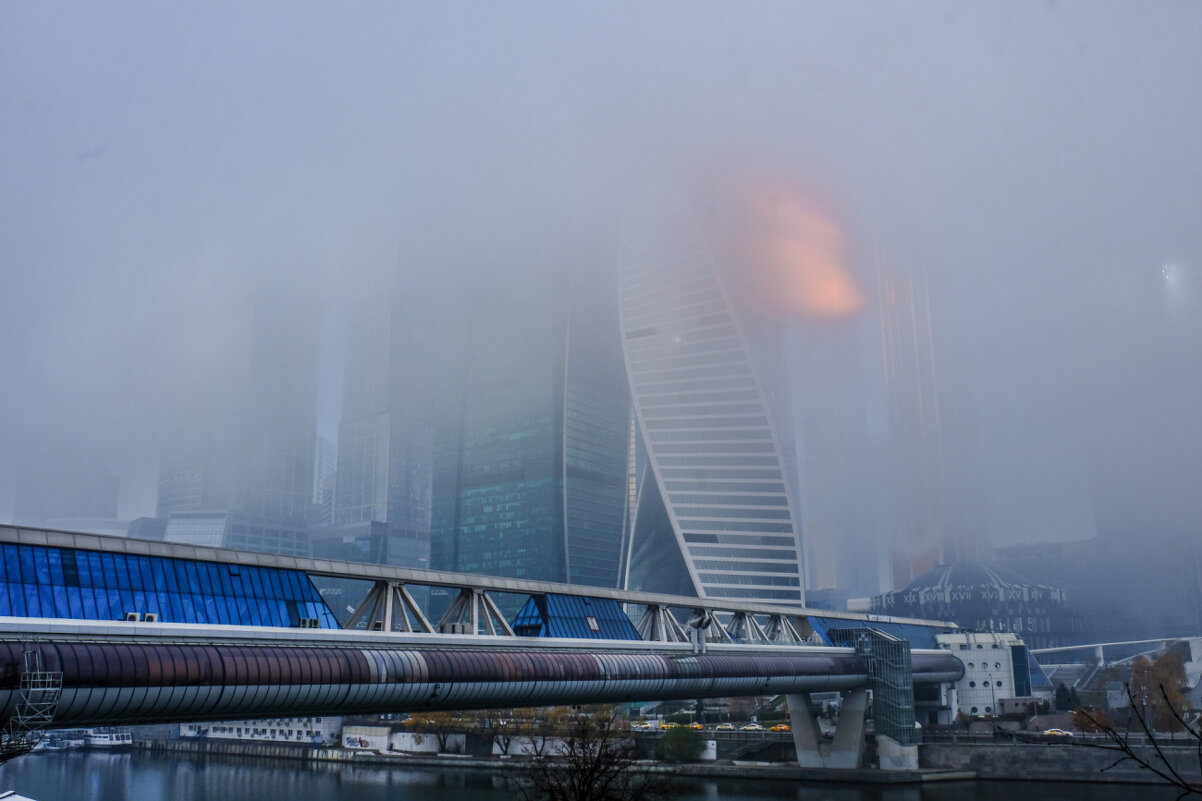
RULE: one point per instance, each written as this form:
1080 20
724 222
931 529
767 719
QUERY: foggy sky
162 163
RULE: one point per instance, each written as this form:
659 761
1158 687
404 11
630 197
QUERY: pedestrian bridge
65 666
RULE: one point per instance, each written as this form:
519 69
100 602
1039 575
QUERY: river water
135 776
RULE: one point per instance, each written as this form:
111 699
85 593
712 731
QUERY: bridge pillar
807 738
892 755
847 751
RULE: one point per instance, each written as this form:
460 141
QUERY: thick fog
166 166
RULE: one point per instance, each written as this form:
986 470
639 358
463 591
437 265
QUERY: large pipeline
128 673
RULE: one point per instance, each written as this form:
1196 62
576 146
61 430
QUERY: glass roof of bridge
40 581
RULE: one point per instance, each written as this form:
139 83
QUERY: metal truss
389 607
37 701
469 610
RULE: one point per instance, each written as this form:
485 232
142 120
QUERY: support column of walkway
847 749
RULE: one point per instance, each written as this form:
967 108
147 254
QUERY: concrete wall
1050 761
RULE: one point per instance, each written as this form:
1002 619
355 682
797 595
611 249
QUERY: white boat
109 737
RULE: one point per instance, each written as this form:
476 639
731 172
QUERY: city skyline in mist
1037 162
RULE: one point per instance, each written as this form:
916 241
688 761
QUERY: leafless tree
1147 752
595 761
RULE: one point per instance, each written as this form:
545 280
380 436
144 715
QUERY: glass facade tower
717 485
530 453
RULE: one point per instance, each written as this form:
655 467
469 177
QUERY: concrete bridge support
847 749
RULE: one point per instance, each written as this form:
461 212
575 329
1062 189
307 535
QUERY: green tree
680 745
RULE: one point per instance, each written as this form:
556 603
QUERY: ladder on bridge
36 703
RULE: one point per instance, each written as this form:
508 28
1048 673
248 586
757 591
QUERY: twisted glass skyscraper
714 505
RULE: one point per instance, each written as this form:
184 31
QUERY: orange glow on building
796 259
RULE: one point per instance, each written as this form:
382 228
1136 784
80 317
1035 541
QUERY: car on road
696 726
781 727
725 727
751 727
1057 733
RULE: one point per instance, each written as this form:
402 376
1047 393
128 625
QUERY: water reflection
61 776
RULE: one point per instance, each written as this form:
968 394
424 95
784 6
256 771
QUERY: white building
322 731
995 668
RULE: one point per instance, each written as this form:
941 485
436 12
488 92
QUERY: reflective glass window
41 565
33 605
193 584
127 600
28 573
95 570
12 564
121 565
74 602
56 567
110 571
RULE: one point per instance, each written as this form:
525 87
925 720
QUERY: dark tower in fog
531 431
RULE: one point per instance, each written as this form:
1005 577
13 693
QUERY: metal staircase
39 691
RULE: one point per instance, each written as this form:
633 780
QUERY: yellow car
781 727
696 726
725 727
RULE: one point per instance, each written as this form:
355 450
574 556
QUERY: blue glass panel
127 601
139 601
42 565
74 603
181 576
121 564
4 563
55 558
17 599
88 595
33 603
277 588
28 573
12 565
193 584
296 588
227 587
161 606
6 607
212 579
58 597
177 607
109 570
247 613
221 612
159 572
143 575
46 598
115 604
187 612
251 581
94 570
207 607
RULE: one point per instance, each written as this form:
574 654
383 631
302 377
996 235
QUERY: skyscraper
238 468
921 539
531 433
715 504
383 484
